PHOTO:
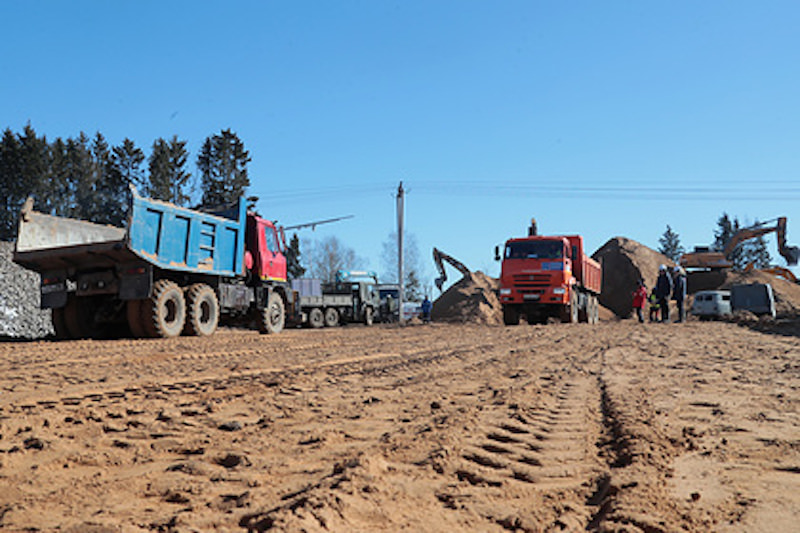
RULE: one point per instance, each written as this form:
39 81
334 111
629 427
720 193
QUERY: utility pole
400 270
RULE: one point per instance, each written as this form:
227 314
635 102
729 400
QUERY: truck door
274 262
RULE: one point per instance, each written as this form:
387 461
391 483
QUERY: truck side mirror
497 253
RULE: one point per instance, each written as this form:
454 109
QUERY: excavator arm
721 259
438 257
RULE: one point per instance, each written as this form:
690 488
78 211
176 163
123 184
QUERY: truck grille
522 281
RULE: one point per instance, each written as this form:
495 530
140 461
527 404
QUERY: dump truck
170 271
546 277
352 297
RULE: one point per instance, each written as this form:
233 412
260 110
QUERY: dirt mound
472 299
787 294
625 262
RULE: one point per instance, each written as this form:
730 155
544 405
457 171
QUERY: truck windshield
535 250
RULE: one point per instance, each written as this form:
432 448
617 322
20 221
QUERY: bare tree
415 286
327 256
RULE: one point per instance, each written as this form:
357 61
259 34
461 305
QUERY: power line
767 190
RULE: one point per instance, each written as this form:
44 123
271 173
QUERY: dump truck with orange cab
546 277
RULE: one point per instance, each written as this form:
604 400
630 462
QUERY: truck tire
331 317
202 311
510 316
569 313
78 317
369 316
273 316
133 312
164 313
591 309
316 318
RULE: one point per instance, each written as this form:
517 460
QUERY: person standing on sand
653 305
663 290
640 300
426 310
679 293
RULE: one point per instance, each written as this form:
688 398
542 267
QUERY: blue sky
600 118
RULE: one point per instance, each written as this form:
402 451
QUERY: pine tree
223 169
755 251
58 199
168 180
10 170
110 205
670 244
81 176
125 171
35 164
294 267
726 229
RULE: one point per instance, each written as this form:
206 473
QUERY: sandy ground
616 427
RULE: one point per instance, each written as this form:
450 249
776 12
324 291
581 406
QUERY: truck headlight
559 290
505 292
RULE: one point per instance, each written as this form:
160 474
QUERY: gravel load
20 315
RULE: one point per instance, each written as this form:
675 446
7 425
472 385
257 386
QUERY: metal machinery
706 259
438 257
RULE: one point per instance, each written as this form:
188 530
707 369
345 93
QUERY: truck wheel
369 316
510 316
273 316
569 313
59 323
164 313
202 311
78 317
595 310
331 317
316 319
133 311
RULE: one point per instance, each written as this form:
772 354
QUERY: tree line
84 177
751 251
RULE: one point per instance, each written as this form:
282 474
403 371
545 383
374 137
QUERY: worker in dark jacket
679 293
663 291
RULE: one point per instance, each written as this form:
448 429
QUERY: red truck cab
264 246
548 276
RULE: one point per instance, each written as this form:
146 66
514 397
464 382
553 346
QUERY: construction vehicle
438 257
171 271
546 277
352 297
702 258
389 294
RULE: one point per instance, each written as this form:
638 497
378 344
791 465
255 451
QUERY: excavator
706 259
438 257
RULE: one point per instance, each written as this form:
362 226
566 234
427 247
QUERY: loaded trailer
170 271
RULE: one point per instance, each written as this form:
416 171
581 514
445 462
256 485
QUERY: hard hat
662 267
676 269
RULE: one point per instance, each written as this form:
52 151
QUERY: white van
711 304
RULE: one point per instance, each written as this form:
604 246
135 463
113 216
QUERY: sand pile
624 262
472 299
787 294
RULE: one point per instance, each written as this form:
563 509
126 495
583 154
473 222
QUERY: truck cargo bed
159 233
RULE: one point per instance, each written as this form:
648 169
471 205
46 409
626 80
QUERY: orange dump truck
548 276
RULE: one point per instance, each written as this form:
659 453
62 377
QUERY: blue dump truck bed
162 234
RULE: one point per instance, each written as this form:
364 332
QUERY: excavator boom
438 257
708 259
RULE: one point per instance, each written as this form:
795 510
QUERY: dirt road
617 427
